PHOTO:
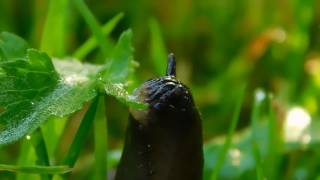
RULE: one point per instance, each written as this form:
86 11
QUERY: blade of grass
26 156
35 169
258 99
94 26
227 143
273 144
53 36
81 134
91 43
40 147
40 150
52 131
100 141
257 157
158 49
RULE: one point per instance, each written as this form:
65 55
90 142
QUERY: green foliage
220 45
32 90
27 79
117 90
118 70
121 61
94 25
91 43
11 46
228 141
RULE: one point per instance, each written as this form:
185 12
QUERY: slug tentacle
171 68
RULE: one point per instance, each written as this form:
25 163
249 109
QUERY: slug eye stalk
171 68
164 141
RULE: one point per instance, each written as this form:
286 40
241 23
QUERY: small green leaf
12 46
121 60
117 90
31 90
118 70
36 169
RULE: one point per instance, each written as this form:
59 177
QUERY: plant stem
100 141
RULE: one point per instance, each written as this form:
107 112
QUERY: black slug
163 142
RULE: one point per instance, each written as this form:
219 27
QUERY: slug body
163 142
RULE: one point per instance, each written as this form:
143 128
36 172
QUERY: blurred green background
220 45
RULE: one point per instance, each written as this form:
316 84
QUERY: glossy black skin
165 143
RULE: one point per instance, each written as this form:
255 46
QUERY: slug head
165 95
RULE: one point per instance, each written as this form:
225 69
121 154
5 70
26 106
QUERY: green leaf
118 91
31 90
121 61
12 46
118 70
36 169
